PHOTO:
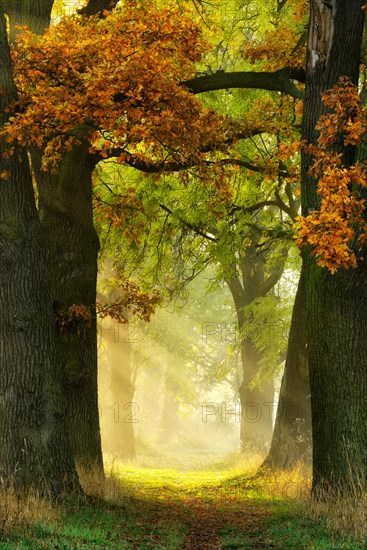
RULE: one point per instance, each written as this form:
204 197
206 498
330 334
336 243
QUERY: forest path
210 527
139 508
211 509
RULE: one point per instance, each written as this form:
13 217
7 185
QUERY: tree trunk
34 447
35 14
291 443
65 209
149 404
170 420
121 428
336 304
257 280
256 425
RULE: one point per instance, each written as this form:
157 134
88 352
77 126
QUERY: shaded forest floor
145 508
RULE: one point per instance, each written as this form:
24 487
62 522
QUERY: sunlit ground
183 456
219 504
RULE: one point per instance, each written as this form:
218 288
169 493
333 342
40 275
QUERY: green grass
145 508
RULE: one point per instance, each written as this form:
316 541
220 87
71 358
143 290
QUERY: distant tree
166 235
122 305
180 350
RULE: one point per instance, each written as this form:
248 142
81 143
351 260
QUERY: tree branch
253 207
171 166
281 4
191 226
279 81
281 204
274 277
293 203
94 7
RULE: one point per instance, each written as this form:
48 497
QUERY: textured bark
36 14
279 81
94 7
34 447
65 209
336 304
292 441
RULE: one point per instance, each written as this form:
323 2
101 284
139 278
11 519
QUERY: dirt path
202 531
209 523
204 510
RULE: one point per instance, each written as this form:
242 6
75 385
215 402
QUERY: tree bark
65 209
336 304
94 7
66 215
35 14
34 447
292 441
280 81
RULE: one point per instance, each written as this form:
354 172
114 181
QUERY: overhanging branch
172 166
278 81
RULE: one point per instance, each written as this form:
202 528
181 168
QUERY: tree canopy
116 80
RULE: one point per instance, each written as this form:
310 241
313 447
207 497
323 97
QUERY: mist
169 389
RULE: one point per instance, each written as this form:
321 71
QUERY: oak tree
335 303
34 452
143 114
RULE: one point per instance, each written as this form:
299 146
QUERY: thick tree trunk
34 447
336 304
292 441
35 14
65 209
337 320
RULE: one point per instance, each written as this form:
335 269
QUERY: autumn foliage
132 299
281 45
337 231
115 81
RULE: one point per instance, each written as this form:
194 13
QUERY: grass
145 508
